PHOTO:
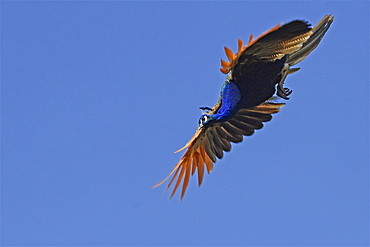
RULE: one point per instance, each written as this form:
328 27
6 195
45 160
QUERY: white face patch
203 120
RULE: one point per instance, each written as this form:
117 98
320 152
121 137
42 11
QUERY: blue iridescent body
246 87
229 98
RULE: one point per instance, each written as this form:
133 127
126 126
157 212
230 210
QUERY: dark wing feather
318 33
233 130
247 128
222 135
209 143
295 39
229 136
285 40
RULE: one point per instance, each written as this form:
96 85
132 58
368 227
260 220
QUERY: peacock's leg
281 91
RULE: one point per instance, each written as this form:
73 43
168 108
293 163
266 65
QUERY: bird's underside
255 74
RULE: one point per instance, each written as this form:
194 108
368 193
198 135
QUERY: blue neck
230 97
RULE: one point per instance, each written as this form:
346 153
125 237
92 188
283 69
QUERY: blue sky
96 96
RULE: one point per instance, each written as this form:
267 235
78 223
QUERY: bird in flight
255 78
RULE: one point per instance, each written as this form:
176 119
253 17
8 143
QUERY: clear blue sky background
96 96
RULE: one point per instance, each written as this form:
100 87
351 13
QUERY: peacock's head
206 119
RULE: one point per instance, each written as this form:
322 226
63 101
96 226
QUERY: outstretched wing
295 39
209 143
